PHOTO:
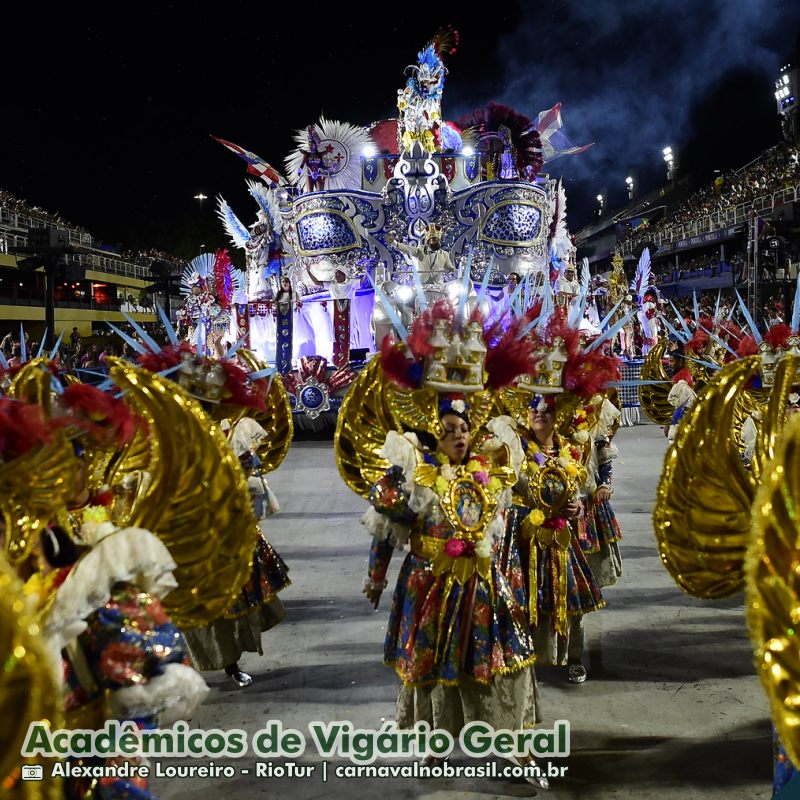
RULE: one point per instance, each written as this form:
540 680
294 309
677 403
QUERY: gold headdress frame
418 409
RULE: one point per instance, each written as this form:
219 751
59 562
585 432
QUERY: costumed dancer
544 518
226 389
98 587
600 532
456 635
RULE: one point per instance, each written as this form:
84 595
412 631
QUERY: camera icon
33 772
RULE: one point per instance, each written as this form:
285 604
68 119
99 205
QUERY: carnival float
367 219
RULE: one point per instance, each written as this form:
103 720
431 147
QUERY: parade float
399 209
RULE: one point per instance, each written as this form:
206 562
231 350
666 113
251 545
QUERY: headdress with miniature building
433 231
451 360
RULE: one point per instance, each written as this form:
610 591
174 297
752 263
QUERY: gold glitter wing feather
653 399
774 415
196 499
33 384
276 419
702 512
28 691
773 587
33 491
361 428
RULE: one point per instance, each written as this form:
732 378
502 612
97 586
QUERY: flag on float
555 142
256 166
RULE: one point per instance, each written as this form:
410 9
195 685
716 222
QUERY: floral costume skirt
440 632
599 537
582 594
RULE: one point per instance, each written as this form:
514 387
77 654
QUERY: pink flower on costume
481 477
455 548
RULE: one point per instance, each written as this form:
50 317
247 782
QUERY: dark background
107 116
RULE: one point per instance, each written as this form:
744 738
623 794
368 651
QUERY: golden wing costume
28 691
773 587
704 498
194 497
653 398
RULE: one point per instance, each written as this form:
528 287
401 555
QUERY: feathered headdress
526 144
339 145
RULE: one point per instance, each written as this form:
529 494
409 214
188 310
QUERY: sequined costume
457 636
560 584
599 529
123 658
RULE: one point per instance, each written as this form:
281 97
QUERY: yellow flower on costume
474 466
495 485
536 516
571 469
441 485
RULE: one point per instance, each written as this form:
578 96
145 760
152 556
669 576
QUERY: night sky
107 119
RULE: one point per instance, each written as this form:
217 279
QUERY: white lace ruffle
131 555
384 530
171 696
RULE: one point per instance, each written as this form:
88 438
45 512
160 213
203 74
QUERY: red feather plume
684 375
165 358
510 357
105 418
748 346
22 427
777 335
586 374
395 364
240 389
525 139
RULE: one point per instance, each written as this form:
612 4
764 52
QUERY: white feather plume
268 203
586 277
201 266
560 242
238 234
643 275
347 143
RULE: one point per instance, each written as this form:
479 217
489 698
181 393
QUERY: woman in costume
544 523
257 608
97 590
456 636
599 530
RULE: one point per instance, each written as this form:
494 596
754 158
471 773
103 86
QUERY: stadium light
631 187
201 197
